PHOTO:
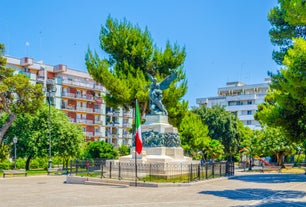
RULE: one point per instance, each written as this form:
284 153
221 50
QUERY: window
249 122
250 102
65 91
84 129
249 112
64 104
239 103
78 93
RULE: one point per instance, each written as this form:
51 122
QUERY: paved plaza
264 190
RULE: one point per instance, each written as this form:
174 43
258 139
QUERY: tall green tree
32 131
285 103
253 145
131 55
17 94
222 126
288 21
276 143
193 133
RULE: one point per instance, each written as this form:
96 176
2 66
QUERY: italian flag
138 141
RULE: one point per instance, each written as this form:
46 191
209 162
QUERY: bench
288 165
14 172
271 168
58 171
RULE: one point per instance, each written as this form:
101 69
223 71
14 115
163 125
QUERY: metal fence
167 172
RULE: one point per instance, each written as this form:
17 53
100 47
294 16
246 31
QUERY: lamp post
51 89
15 157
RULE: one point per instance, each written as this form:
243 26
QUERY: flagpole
135 144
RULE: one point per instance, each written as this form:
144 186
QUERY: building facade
240 99
80 98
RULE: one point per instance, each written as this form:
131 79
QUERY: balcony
69 107
98 111
70 95
98 134
243 97
81 121
89 134
82 84
126 125
241 107
72 120
245 117
81 109
78 96
129 136
88 121
97 122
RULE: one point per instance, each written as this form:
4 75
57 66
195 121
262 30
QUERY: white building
240 99
79 97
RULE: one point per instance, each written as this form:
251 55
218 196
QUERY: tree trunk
27 167
279 157
6 126
144 108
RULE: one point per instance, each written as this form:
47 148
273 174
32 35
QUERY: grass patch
37 172
293 170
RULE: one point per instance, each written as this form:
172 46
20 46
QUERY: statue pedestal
150 155
158 123
161 150
158 148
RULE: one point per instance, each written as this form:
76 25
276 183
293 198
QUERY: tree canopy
32 132
288 21
285 103
275 142
17 94
131 55
193 133
222 126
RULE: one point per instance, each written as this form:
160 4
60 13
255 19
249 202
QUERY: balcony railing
89 134
83 85
88 121
98 122
82 121
72 120
78 96
98 134
70 95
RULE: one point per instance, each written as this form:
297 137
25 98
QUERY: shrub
5 165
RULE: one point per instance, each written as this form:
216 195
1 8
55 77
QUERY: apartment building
240 99
80 98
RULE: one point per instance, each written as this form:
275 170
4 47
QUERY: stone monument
160 140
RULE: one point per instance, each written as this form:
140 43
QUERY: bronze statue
156 90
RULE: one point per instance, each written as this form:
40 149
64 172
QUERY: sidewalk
241 190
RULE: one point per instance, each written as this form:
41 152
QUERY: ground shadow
256 194
277 203
270 178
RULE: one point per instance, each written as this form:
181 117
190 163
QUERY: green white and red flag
138 139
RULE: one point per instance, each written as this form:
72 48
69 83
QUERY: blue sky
225 40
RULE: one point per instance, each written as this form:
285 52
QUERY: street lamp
51 89
15 157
